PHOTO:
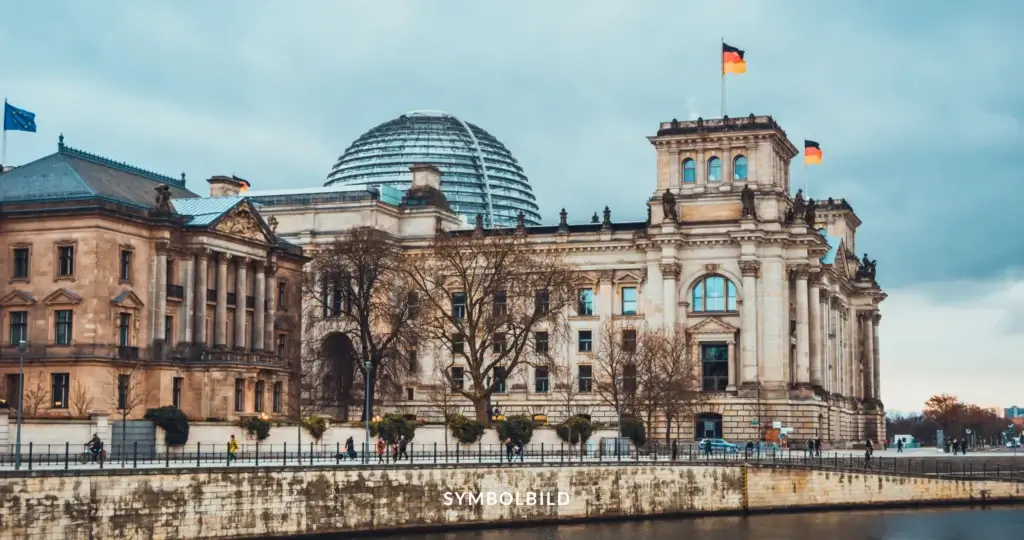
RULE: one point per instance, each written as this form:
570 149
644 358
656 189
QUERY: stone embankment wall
246 503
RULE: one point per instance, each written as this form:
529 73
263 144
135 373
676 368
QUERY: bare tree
565 390
679 377
80 400
128 393
356 288
485 294
621 348
33 395
443 398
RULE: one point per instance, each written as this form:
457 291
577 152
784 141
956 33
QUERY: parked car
719 446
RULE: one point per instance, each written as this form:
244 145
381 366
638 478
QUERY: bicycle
88 456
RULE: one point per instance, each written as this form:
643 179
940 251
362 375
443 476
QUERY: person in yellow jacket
232 449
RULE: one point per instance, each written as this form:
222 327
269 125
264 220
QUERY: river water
998 523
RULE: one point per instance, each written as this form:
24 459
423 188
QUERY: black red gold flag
812 153
732 60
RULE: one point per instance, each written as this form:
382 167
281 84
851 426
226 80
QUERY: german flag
732 60
812 153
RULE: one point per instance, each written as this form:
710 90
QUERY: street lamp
21 402
618 412
367 365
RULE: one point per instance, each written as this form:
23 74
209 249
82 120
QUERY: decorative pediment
127 299
713 325
62 297
842 262
244 221
628 276
17 298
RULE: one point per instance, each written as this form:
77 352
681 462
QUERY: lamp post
21 402
367 366
618 412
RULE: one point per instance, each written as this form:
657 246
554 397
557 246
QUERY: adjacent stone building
128 290
781 313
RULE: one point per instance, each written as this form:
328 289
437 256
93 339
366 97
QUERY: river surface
997 523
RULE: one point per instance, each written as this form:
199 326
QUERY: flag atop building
812 153
732 60
16 119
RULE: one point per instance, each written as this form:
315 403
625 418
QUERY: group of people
513 449
959 446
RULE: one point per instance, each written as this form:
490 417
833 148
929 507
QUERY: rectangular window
126 265
177 382
21 256
500 380
458 377
540 341
542 301
278 388
281 287
540 380
458 344
629 300
585 307
500 304
124 330
411 358
714 358
19 326
585 341
257 398
412 303
629 379
586 378
62 327
459 305
124 382
12 389
410 394
629 340
282 345
169 329
60 382
239 395
498 343
65 261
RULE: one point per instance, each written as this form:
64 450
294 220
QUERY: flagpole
721 58
807 189
3 153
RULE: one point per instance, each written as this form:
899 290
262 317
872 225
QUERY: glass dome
478 174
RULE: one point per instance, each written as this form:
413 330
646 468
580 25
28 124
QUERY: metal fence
76 456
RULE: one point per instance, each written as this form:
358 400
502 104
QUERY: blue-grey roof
204 210
833 245
73 174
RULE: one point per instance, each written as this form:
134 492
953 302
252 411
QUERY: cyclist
95 446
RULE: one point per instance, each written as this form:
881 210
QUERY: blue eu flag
16 119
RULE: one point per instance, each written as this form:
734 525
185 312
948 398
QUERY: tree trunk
480 410
368 410
124 436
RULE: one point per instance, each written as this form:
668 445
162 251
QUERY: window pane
714 170
689 171
629 301
698 296
731 289
715 287
739 168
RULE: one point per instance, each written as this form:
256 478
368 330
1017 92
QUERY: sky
917 107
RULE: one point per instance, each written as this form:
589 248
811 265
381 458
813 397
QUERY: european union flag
16 119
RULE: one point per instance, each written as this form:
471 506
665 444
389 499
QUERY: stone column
220 316
653 290
732 366
259 311
188 302
159 327
726 165
268 331
814 297
875 373
240 290
773 323
866 348
702 168
670 277
199 302
803 363
748 322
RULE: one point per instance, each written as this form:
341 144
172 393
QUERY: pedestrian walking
381 448
868 450
394 451
675 450
350 448
509 448
817 447
403 445
899 446
232 449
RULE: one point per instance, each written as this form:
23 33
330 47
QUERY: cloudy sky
917 106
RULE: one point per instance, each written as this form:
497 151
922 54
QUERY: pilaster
670 277
875 372
815 338
271 317
159 328
259 310
199 301
748 323
220 335
803 369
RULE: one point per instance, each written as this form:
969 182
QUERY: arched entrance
707 426
339 372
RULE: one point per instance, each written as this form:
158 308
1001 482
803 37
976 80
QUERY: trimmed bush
392 427
517 428
172 421
256 427
633 429
316 426
575 430
467 431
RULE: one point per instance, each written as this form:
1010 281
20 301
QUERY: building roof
833 247
73 174
204 210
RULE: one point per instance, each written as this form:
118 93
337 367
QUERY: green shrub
575 430
633 429
467 431
256 427
172 421
392 427
316 426
517 428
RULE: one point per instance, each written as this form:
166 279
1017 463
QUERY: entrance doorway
707 426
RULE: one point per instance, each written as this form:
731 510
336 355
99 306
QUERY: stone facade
103 268
243 503
781 313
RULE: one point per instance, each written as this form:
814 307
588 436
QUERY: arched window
739 168
714 293
714 170
689 171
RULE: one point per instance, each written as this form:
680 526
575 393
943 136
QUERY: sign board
754 423
776 425
940 439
